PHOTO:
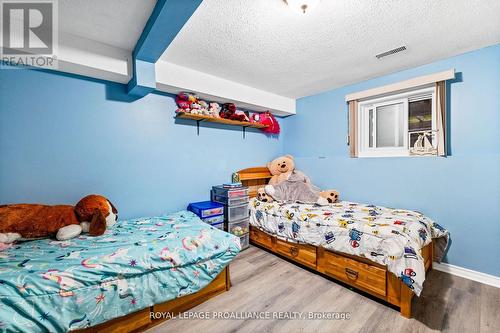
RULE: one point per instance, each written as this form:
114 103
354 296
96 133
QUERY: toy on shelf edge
266 118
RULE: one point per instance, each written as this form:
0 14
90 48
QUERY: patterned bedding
391 237
57 286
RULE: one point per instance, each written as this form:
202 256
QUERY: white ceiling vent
393 51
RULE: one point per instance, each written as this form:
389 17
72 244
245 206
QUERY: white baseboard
488 279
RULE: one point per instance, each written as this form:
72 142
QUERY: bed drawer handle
351 274
294 251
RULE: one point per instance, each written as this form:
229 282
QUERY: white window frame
371 104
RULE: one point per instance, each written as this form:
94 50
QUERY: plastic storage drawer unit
214 219
206 208
236 213
230 192
231 201
239 228
219 226
245 241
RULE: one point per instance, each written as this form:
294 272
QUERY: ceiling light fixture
301 6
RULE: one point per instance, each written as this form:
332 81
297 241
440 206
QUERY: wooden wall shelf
199 118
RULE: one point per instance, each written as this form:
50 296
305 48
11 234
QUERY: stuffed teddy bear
214 109
281 169
92 214
295 189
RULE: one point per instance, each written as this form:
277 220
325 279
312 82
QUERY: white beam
86 57
78 55
82 56
173 78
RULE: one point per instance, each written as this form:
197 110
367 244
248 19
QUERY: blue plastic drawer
206 208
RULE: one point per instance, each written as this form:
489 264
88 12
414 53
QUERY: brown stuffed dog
92 214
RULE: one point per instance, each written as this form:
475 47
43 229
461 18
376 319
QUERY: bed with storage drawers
382 251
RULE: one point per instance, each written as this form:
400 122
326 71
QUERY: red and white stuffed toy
186 102
229 112
266 118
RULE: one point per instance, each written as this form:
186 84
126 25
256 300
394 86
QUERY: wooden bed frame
141 320
360 273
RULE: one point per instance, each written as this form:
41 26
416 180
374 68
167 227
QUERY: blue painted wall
462 192
62 137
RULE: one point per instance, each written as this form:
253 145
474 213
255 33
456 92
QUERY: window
401 124
400 119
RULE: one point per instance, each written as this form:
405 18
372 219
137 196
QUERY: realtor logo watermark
29 34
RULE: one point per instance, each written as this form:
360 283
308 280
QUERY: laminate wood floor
261 281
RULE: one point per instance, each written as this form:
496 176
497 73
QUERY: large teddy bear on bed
92 214
288 184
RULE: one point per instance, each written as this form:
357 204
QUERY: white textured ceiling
117 23
263 44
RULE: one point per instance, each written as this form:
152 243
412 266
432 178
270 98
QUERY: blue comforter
58 286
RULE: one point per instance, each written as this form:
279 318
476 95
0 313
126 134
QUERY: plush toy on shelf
214 109
189 103
92 214
255 118
229 112
288 184
195 108
184 101
204 108
242 115
266 118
